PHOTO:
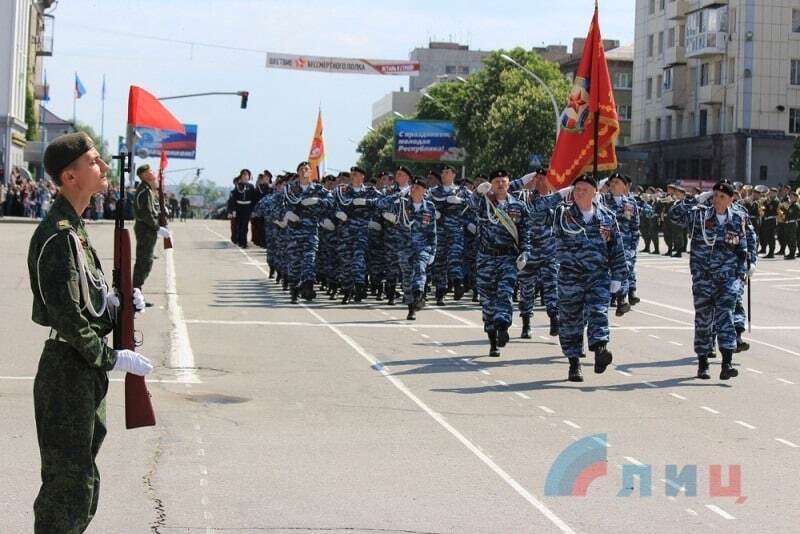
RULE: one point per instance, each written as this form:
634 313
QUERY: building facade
716 89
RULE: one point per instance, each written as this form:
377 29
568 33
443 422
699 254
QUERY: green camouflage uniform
146 210
71 382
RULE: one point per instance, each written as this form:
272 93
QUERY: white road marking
436 416
484 371
501 382
691 512
451 351
570 423
425 336
789 443
676 343
717 510
623 373
468 361
754 370
681 397
521 394
545 338
413 329
653 336
181 356
546 409
710 410
785 381
409 326
649 384
746 425
459 319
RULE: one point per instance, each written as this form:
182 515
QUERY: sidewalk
28 220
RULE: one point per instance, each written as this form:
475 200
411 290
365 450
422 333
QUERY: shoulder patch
64 224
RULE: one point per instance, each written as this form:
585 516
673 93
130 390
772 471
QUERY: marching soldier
146 228
618 201
71 296
263 189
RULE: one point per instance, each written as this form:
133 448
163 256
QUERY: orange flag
591 98
317 152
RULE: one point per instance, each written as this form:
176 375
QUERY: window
796 20
671 38
703 126
650 45
794 76
690 128
649 88
661 4
762 173
652 7
668 79
729 123
704 68
682 35
794 120
658 129
731 70
463 70
449 69
668 127
623 80
659 85
660 42
624 112
647 129
679 125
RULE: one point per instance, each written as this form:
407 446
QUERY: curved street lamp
541 82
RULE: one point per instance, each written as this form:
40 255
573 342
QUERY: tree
210 191
794 162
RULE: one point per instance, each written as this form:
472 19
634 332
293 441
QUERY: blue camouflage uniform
450 202
355 235
718 264
389 206
626 210
416 242
590 255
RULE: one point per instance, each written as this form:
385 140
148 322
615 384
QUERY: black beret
434 173
405 170
329 178
356 168
420 181
448 168
588 178
498 173
64 150
383 174
267 173
301 164
620 176
142 169
479 177
725 186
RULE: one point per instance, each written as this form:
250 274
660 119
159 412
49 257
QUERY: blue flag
46 97
80 90
103 90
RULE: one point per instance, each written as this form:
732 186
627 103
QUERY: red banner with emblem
590 105
317 152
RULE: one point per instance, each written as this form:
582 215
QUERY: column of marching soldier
505 241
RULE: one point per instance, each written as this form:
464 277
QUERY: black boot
295 293
458 290
602 358
502 336
412 314
285 283
702 367
613 300
333 291
575 374
741 345
379 292
632 298
419 300
622 306
390 294
308 291
493 351
474 295
358 294
271 272
278 277
440 296
728 371
554 323
346 298
526 328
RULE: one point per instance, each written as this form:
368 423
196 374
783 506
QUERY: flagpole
103 112
596 123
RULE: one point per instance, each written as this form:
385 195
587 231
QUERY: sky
128 41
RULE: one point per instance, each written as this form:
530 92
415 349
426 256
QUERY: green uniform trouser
145 244
69 400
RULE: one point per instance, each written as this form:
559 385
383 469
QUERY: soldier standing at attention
71 297
146 228
241 204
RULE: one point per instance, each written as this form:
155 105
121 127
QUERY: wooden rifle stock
138 408
162 215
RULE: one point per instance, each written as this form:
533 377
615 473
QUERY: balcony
697 5
674 56
706 44
711 94
675 99
41 91
676 10
45 38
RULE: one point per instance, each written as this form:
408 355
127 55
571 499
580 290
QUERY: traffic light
244 95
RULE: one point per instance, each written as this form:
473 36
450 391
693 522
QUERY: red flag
145 110
162 164
317 152
591 97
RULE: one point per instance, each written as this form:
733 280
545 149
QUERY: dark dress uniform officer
240 206
71 297
146 228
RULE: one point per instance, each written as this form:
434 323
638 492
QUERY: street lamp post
541 82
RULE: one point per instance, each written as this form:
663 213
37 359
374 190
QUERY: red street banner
145 110
591 98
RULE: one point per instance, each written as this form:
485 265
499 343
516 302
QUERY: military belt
499 251
55 336
770 217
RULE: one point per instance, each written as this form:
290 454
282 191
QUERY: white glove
528 177
164 232
522 261
483 188
472 228
291 216
374 226
751 270
310 201
132 362
602 184
359 202
565 192
328 225
455 199
280 224
138 300
112 300
342 216
389 216
438 215
616 285
704 196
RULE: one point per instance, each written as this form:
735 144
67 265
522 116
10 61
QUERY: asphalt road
275 417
